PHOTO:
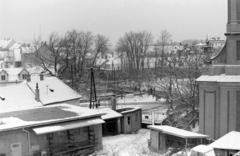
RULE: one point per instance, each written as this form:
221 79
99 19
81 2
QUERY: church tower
219 85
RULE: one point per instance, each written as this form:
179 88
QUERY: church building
219 85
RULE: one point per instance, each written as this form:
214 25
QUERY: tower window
238 50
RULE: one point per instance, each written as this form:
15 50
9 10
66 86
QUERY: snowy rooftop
229 141
219 78
44 115
13 71
110 114
22 95
202 148
17 97
60 91
177 132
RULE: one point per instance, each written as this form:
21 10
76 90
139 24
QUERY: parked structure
227 145
219 95
164 137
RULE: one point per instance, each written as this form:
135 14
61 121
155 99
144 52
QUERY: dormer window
24 76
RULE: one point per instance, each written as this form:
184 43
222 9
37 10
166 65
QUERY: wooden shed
164 137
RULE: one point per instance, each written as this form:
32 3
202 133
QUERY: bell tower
219 85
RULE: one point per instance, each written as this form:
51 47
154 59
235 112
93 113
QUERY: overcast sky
183 19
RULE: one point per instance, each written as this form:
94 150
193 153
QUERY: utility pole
93 96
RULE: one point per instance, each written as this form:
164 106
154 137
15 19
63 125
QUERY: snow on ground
127 144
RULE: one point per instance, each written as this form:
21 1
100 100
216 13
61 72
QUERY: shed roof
17 97
229 141
61 92
44 115
202 148
177 132
110 114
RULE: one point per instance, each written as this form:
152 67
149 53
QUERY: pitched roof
44 115
229 141
177 132
22 96
61 92
17 97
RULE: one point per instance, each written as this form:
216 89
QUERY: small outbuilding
228 144
131 120
164 137
112 125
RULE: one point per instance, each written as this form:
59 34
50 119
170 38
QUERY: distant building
216 42
12 75
219 94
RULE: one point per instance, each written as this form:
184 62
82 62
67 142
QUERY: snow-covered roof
177 132
219 78
202 148
61 92
13 71
110 114
44 115
229 141
17 97
6 43
15 46
129 110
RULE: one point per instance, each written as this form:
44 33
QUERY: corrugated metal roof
177 132
229 141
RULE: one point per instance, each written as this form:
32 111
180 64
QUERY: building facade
219 86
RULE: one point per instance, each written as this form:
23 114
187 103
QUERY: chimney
28 78
114 102
41 77
37 94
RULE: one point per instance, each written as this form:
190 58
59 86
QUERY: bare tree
135 45
161 50
48 54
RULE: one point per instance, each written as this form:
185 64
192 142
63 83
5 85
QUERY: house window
3 77
24 76
146 117
136 119
129 120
